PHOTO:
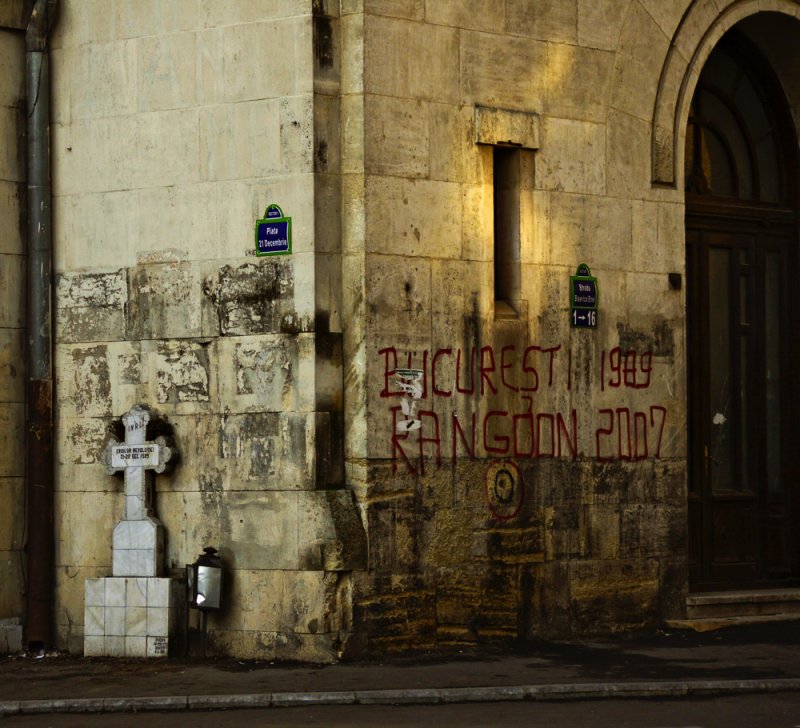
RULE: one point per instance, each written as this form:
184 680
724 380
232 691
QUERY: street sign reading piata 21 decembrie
583 298
274 233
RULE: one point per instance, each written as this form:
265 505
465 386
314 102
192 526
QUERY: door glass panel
744 418
772 308
720 449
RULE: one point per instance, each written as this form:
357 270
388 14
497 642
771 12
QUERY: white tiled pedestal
131 616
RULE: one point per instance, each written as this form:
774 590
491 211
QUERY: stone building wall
12 321
175 125
592 535
532 480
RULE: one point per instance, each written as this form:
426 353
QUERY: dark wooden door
742 300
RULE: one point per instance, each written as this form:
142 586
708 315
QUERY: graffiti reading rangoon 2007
516 375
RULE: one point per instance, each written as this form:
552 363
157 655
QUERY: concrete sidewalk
762 658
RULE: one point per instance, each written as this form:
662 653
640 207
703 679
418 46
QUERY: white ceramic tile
144 534
94 621
136 621
94 646
143 562
158 592
119 563
135 646
136 591
115 646
121 538
115 592
115 621
95 592
157 622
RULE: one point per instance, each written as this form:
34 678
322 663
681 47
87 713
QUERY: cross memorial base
132 616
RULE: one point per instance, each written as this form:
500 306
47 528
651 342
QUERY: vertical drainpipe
39 386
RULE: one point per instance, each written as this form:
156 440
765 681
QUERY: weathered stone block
430 215
652 531
262 529
107 85
256 601
643 48
628 171
411 60
12 514
12 162
12 577
401 285
573 157
166 71
411 9
12 357
13 14
396 139
252 298
12 284
11 220
496 71
613 594
284 71
271 645
86 521
470 14
230 132
269 450
580 82
600 23
551 20
12 439
181 224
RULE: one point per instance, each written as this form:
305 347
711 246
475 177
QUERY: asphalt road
778 710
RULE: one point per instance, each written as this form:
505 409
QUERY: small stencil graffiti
505 489
409 382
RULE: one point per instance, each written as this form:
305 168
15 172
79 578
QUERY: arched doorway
742 309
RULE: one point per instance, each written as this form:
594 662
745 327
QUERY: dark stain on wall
659 339
252 298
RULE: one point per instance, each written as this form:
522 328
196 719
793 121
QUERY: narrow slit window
506 231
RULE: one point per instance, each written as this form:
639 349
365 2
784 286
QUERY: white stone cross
135 457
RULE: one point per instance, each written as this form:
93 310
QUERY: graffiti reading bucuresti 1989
618 433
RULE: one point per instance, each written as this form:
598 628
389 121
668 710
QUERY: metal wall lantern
204 581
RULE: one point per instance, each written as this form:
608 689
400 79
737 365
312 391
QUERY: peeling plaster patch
83 290
91 306
260 364
251 438
86 441
129 366
252 298
167 255
91 381
165 302
182 375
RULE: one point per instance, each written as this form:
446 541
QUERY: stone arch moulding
700 28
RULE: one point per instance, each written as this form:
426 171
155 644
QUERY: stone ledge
502 126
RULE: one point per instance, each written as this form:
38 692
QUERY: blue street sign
583 295
274 233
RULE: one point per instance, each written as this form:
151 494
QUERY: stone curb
403 696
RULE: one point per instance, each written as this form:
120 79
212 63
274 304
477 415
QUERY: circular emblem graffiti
505 489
